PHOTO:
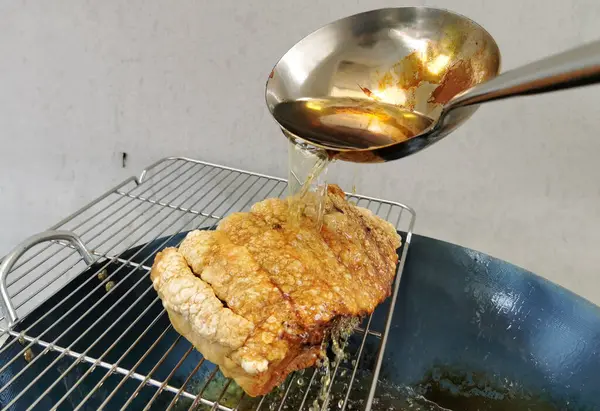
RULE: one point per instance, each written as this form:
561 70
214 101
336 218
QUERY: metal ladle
384 84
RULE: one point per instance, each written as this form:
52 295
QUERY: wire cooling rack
82 327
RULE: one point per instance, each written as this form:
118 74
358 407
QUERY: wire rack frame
83 329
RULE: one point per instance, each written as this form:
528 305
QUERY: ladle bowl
396 57
384 84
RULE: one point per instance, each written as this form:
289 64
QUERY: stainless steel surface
572 68
398 56
434 66
11 258
171 196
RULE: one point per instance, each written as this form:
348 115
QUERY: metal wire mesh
96 336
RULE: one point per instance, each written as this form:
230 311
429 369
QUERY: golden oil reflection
438 64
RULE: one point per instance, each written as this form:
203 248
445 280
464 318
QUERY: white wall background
83 81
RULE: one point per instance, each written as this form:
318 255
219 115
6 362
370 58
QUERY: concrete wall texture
82 82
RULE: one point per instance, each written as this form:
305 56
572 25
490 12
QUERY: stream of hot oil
307 195
338 339
307 185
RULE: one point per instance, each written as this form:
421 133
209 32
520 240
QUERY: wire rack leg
14 255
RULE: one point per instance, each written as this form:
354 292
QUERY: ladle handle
573 68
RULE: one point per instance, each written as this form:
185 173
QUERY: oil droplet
109 285
340 404
300 381
102 275
28 355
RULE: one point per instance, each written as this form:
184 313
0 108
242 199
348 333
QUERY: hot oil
346 123
307 188
337 340
307 194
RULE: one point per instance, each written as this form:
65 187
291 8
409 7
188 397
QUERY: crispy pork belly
258 295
